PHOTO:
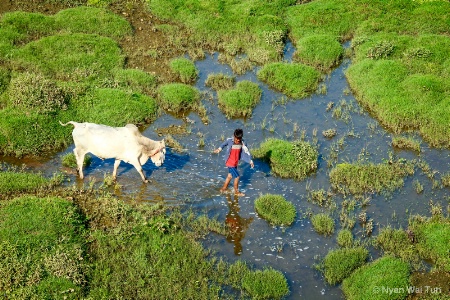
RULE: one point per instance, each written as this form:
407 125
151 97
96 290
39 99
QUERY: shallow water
192 179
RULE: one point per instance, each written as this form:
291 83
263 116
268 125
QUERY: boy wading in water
236 150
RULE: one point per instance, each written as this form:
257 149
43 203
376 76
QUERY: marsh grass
362 178
323 223
323 52
345 238
239 101
275 209
43 250
320 197
69 160
184 69
338 264
220 81
12 181
406 143
431 235
296 159
396 242
265 284
445 179
384 272
115 107
178 97
293 80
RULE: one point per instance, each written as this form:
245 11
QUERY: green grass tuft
185 69
368 281
323 52
340 263
294 80
177 97
345 238
289 159
323 224
275 209
265 284
240 101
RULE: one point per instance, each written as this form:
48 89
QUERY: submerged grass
360 178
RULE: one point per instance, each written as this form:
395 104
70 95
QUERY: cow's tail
70 122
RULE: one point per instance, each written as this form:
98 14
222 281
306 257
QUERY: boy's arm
246 156
222 146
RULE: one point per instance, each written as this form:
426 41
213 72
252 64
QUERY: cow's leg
138 167
116 165
79 156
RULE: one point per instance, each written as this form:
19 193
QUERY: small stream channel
192 179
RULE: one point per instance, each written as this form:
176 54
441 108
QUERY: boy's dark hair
238 133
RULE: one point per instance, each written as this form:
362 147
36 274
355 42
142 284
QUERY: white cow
122 143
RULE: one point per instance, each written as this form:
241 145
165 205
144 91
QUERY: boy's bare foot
224 191
239 194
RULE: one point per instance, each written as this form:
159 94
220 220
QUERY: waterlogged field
329 139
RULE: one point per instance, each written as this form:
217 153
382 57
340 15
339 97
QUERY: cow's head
160 155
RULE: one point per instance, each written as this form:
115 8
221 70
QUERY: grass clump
432 239
323 224
18 182
43 250
345 238
340 263
289 159
445 178
135 80
265 284
93 20
70 161
406 143
360 178
77 57
275 209
240 101
323 52
395 242
367 281
184 68
32 91
293 80
114 107
177 97
220 81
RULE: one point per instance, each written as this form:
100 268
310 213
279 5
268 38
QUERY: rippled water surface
192 179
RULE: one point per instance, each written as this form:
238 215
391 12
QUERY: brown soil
136 48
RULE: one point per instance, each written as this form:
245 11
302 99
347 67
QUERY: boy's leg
227 181
236 187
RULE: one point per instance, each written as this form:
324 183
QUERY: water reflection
237 226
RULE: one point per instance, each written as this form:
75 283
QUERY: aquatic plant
338 264
69 160
329 133
240 101
275 209
184 68
406 143
323 223
368 281
345 238
220 81
296 159
361 178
